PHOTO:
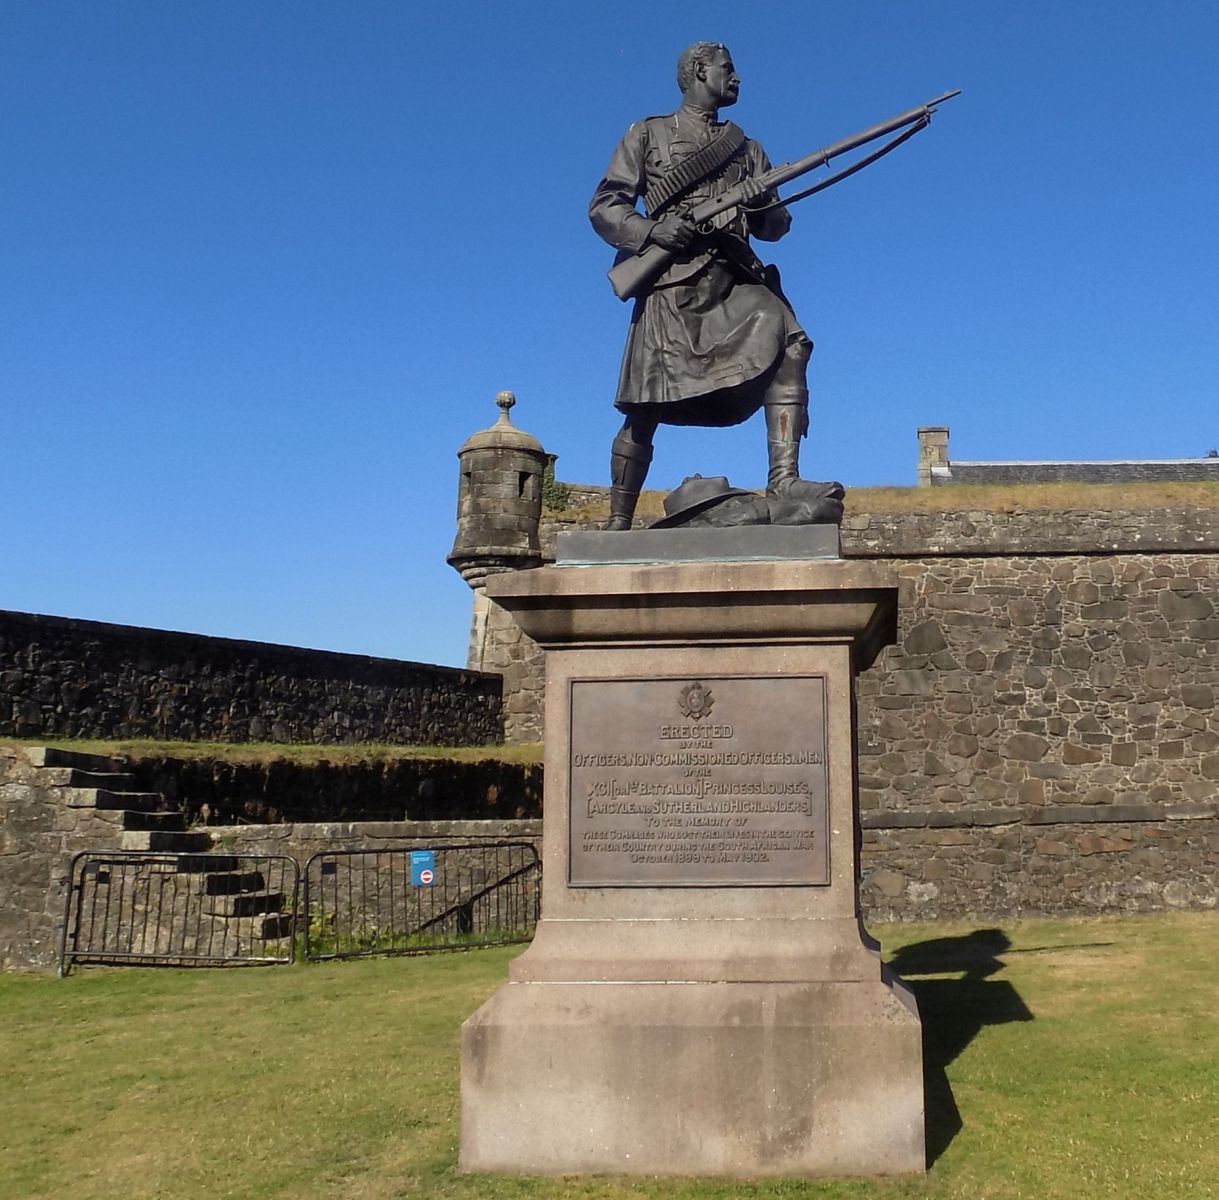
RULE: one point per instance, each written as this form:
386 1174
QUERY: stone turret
499 500
499 507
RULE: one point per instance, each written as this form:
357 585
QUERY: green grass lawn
1066 1059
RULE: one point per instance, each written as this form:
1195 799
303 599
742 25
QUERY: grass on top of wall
301 755
1034 497
1066 1060
1003 498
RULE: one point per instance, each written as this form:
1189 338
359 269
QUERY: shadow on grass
953 1011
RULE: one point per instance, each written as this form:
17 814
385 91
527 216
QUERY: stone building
936 468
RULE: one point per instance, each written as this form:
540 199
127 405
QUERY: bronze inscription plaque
698 782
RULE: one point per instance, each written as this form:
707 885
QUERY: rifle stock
634 275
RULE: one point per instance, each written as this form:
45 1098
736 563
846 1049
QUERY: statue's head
708 66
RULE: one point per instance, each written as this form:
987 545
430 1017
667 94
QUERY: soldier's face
721 78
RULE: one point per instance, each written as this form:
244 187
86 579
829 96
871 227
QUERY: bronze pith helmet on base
696 495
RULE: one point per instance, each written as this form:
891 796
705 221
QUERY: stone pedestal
700 997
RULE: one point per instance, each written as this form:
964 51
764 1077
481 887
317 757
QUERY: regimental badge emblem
695 701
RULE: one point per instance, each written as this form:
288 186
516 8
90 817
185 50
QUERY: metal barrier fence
141 908
399 901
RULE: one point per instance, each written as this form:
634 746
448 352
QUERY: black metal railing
364 902
142 908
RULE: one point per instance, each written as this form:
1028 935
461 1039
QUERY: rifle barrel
788 171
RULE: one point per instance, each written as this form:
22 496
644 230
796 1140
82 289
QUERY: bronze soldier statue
714 339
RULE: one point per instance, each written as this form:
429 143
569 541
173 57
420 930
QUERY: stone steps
240 895
74 777
203 863
91 781
277 927
167 842
53 756
143 821
109 781
136 821
225 890
129 820
252 904
100 798
233 883
104 785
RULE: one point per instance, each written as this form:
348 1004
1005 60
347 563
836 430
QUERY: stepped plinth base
700 998
735 1079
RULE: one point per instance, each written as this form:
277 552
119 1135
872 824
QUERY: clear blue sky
265 264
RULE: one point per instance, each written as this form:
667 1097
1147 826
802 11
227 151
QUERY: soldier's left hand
751 192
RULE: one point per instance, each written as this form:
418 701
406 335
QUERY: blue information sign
423 868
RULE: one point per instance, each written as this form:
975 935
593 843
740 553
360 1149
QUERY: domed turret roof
503 434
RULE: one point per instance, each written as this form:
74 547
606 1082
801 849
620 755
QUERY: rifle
634 275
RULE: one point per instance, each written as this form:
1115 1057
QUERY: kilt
701 351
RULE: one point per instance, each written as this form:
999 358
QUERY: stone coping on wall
338 833
1022 531
236 647
1030 532
1058 814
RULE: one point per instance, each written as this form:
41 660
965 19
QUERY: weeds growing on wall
555 495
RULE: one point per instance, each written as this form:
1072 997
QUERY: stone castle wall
301 840
952 869
214 792
1043 737
45 820
1041 533
68 678
41 828
898 538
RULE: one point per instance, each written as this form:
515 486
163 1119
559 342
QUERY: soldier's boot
629 462
786 408
786 424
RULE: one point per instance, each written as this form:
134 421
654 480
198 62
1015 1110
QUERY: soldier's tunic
704 342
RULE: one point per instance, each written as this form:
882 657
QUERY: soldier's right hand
673 233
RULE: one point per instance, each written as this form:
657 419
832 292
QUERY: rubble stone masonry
61 677
42 825
1043 737
47 817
